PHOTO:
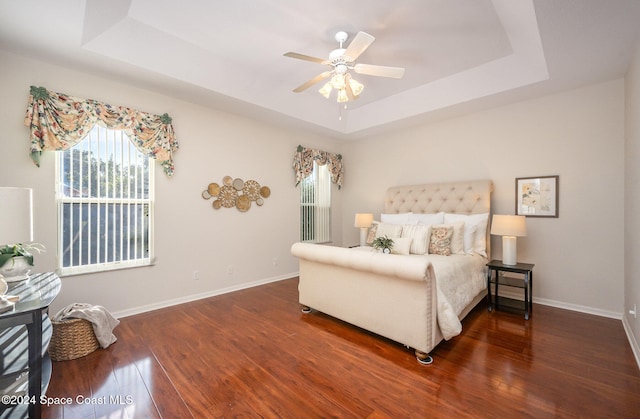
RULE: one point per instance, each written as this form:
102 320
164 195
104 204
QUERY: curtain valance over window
303 164
58 122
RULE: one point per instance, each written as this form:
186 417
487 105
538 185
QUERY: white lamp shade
16 215
509 225
363 220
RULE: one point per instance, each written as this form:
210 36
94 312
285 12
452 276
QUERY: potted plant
383 244
16 260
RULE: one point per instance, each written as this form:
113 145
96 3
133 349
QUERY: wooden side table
526 283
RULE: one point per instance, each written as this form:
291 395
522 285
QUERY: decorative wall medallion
213 189
238 184
236 193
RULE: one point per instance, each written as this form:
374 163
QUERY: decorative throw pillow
420 237
440 242
401 246
371 235
457 238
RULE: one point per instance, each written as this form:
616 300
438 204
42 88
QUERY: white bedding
459 279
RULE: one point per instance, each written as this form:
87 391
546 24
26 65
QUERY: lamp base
363 236
509 250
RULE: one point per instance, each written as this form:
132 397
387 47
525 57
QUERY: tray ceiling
458 54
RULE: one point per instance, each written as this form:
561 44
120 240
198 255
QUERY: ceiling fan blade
305 57
359 44
379 70
313 81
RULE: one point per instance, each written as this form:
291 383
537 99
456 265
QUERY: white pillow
469 238
427 219
480 221
402 218
469 229
401 246
457 238
391 231
420 237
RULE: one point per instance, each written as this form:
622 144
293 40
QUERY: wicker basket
72 338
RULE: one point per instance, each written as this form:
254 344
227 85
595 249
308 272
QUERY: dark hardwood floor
252 353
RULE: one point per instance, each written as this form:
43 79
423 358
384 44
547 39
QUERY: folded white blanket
102 321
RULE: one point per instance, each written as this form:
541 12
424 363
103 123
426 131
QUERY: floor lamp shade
509 227
16 215
363 222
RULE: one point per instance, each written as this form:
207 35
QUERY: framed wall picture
537 196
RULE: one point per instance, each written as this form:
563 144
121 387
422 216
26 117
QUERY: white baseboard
632 339
566 306
200 296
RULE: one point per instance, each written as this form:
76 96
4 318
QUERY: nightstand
526 283
25 332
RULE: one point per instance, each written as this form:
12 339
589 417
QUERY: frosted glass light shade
16 215
326 90
338 81
356 87
342 96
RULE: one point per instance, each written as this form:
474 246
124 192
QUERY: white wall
190 234
578 135
632 202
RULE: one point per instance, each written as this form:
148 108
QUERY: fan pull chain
340 111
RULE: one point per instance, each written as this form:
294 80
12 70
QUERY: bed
413 297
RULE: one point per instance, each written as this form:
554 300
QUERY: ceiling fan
342 60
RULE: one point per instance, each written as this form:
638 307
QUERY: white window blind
315 206
104 192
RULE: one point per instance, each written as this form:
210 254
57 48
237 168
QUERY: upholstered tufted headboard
471 197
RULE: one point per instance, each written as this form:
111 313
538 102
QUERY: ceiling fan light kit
345 85
342 60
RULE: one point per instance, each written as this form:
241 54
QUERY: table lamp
16 224
363 222
509 227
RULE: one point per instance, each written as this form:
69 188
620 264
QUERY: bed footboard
391 295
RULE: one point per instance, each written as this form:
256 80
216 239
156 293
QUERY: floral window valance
303 164
58 122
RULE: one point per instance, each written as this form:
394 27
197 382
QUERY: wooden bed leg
423 358
305 309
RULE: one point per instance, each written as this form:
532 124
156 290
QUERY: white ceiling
459 55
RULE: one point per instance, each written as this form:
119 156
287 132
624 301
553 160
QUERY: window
315 206
104 193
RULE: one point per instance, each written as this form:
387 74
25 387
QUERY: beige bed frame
392 297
